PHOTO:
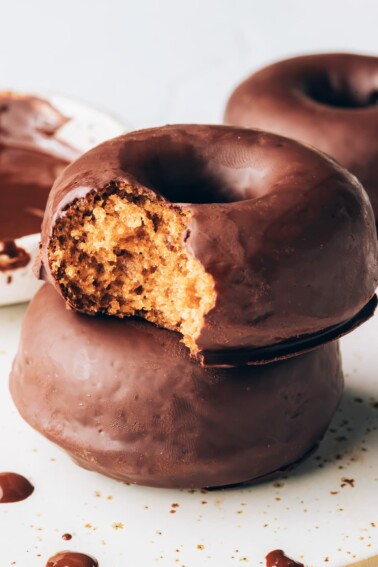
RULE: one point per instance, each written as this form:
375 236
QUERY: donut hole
120 252
340 94
178 170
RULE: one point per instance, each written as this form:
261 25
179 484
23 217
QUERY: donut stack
208 271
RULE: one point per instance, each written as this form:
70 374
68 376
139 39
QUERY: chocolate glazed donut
329 101
126 399
239 239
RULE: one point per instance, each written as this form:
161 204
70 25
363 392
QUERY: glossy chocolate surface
31 157
289 348
14 487
327 100
124 398
286 233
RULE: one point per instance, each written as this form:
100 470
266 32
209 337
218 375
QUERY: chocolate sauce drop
277 558
14 487
71 559
66 537
12 256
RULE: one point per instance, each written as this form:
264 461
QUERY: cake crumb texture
121 252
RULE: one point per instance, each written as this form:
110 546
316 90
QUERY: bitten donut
126 399
329 101
236 238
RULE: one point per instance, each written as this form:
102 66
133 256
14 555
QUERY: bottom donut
125 399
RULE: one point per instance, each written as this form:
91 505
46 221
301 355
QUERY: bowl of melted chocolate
39 137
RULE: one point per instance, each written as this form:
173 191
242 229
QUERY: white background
160 61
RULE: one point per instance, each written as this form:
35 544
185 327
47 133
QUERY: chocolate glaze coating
31 157
29 122
124 398
328 100
289 348
286 233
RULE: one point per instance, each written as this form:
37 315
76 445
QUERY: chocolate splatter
347 482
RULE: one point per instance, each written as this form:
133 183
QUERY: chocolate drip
14 487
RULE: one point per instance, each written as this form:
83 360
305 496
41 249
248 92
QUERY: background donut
328 100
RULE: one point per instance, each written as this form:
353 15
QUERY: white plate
310 515
86 128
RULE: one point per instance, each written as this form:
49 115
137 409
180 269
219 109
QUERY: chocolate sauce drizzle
14 487
71 559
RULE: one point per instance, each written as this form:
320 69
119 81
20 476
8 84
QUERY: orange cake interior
121 252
